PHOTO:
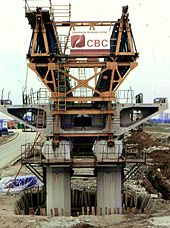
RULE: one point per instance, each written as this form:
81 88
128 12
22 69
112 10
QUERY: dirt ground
156 141
6 138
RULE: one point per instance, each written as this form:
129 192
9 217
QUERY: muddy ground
153 177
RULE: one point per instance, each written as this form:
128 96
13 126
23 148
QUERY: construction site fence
33 202
146 206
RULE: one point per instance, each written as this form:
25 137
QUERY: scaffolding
81 113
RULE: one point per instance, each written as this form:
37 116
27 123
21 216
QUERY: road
12 149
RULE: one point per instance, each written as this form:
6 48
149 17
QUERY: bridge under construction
81 113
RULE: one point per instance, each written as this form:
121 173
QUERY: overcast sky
150 22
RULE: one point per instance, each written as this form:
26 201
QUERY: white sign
88 41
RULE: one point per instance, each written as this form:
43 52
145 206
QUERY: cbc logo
79 41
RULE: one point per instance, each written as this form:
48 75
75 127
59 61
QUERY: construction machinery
80 112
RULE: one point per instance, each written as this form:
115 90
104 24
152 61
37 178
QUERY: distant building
12 124
163 117
4 119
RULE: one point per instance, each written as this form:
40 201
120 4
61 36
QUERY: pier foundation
109 189
58 191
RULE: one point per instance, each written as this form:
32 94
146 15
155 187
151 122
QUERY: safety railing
118 154
125 96
135 155
46 153
42 96
43 153
129 157
57 12
29 150
61 12
31 5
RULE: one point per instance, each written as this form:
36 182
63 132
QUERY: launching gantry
78 112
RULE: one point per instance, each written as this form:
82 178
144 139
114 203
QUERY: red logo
77 41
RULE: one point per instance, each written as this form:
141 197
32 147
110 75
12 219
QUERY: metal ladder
82 76
40 118
61 88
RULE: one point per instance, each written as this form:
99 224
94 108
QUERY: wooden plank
31 211
123 210
109 211
82 210
128 210
85 198
76 197
88 211
101 213
56 212
51 211
97 211
93 210
62 211
105 210
42 211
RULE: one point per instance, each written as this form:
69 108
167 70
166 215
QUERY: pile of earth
161 160
143 139
157 172
157 151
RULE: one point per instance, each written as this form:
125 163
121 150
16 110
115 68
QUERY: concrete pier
109 189
58 191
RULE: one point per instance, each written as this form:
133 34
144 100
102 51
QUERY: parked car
4 131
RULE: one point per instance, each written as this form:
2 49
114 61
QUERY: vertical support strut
109 188
59 190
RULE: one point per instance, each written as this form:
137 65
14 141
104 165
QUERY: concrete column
58 190
109 189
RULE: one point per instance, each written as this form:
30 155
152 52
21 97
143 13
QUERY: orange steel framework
69 62
53 67
82 121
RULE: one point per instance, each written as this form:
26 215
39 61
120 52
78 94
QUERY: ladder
82 76
40 123
61 88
